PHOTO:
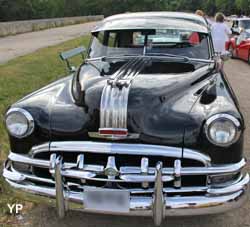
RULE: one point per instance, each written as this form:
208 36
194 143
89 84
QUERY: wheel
249 57
232 51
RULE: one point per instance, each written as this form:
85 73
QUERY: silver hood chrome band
114 99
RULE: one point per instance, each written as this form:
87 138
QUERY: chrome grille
132 171
116 165
183 175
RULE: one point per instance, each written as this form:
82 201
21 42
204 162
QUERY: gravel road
239 75
19 45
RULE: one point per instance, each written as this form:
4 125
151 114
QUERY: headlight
19 122
222 129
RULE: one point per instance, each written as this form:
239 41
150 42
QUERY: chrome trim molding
60 198
212 170
80 162
114 99
130 149
144 170
111 170
177 173
158 197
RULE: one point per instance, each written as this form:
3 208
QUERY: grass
20 77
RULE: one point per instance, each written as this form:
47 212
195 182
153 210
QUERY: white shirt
220 35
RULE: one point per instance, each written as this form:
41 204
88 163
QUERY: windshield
150 42
245 24
247 35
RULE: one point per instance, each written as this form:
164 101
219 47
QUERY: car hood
158 104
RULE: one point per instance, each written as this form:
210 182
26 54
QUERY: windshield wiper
160 56
147 55
180 45
179 57
104 58
121 56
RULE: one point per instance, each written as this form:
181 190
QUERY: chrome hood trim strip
114 100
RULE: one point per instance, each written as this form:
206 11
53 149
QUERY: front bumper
157 203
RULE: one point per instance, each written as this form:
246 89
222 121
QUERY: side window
100 37
112 39
97 48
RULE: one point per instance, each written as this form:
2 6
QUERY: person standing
220 33
202 14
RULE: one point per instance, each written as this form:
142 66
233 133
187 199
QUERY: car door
243 47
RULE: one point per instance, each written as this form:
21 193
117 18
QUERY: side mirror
65 56
226 56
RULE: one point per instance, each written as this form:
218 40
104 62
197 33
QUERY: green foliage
243 6
32 72
226 6
34 9
210 7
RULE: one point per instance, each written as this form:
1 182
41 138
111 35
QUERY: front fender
218 98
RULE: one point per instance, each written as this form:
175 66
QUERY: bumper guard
156 203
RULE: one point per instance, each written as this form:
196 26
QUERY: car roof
154 20
240 19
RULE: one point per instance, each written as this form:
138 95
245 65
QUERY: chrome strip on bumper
215 200
142 206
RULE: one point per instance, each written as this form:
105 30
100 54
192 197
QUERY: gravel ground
19 45
239 75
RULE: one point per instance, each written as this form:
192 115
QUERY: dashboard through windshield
162 41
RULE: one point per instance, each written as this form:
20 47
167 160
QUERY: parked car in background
239 46
148 125
240 24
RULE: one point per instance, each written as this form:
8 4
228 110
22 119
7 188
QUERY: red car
239 46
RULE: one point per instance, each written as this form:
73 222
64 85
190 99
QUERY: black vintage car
148 125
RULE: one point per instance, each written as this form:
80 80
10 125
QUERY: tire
249 57
232 51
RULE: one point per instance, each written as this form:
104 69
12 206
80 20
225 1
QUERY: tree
47 8
243 6
210 7
34 9
227 7
15 10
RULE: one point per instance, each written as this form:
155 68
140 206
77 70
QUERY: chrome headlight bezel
29 120
218 117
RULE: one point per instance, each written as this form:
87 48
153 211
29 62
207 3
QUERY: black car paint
167 111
